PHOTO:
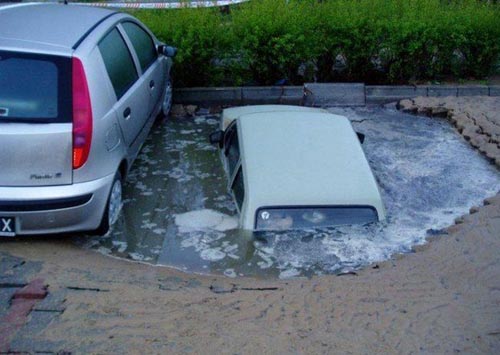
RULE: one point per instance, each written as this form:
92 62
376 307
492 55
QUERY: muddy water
177 211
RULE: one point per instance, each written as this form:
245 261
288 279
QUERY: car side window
227 135
239 188
142 43
118 61
233 150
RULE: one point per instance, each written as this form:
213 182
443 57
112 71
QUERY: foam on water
177 210
204 220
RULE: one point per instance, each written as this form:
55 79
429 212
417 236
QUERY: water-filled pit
177 211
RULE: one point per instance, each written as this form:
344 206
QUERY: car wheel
167 98
113 206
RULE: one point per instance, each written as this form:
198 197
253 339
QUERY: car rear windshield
35 88
278 218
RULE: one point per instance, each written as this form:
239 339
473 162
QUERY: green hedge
372 41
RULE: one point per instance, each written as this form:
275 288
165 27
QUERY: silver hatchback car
80 88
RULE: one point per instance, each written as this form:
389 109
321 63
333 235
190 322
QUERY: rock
340 63
407 105
202 111
178 111
190 109
215 110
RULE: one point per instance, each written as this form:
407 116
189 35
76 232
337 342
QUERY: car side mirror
217 138
167 51
361 137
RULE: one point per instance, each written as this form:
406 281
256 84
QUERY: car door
152 65
131 89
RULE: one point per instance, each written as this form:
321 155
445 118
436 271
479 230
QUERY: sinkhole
177 211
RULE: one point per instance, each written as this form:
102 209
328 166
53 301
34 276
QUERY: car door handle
127 112
152 84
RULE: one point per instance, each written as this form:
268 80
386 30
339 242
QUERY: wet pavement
177 211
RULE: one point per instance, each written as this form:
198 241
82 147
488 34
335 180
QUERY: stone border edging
324 94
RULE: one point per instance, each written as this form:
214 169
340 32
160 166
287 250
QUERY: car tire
166 104
113 206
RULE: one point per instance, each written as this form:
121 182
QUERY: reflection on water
177 211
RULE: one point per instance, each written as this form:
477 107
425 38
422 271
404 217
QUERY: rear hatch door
35 120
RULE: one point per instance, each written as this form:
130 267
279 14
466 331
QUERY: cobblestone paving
477 119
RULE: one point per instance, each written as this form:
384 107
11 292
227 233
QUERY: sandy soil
444 298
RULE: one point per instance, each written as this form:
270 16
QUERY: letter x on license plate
7 226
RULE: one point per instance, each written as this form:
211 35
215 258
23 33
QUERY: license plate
7 226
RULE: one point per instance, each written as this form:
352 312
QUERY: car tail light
82 116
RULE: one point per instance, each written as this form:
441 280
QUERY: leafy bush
274 38
199 34
373 41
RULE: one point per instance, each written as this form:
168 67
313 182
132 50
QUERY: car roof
230 114
304 158
48 25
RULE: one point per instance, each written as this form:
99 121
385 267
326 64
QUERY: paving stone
35 290
42 314
26 339
462 121
494 200
55 301
439 111
478 140
491 150
6 295
469 131
16 271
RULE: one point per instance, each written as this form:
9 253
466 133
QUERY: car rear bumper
56 209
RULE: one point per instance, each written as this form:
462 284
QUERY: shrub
372 41
200 36
275 38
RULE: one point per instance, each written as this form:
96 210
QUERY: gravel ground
444 298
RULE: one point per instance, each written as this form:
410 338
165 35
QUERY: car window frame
237 170
227 136
229 133
131 45
132 55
